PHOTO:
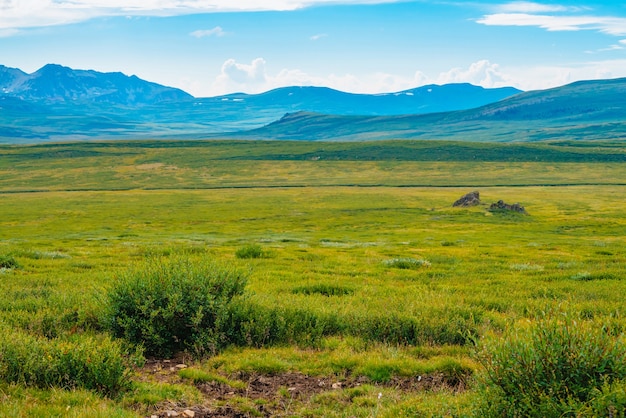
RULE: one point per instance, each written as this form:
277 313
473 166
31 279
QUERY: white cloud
202 33
240 77
609 25
318 36
481 73
529 7
37 13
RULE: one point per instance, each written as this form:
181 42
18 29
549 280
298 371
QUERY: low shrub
406 263
457 328
91 363
251 251
252 325
553 368
8 262
171 305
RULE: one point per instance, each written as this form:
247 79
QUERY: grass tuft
324 290
406 263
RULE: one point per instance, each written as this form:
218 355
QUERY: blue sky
212 47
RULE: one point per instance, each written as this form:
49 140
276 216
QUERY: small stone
181 366
172 413
291 389
189 413
336 385
154 416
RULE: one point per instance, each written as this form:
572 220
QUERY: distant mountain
582 110
426 99
57 84
59 103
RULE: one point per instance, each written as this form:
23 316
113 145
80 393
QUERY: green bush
173 305
91 363
553 368
251 251
8 262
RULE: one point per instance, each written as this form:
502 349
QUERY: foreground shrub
552 369
91 363
173 305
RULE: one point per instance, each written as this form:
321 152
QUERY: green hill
589 110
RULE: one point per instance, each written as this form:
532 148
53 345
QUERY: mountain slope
582 110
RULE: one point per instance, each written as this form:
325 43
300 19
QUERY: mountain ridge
55 83
425 99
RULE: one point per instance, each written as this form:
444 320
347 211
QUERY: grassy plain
333 231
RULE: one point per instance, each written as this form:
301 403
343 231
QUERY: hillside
581 110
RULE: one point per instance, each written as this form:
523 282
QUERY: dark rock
470 199
515 207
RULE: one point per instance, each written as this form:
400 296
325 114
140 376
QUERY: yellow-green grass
483 272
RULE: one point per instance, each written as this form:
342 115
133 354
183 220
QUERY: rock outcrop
470 199
515 207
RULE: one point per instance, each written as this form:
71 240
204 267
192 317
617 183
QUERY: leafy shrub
251 251
406 263
553 368
173 305
8 262
91 363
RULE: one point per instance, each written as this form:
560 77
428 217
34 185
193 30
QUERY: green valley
358 290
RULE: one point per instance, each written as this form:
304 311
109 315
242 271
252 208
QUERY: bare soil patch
275 390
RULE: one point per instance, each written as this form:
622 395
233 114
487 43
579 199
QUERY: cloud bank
254 77
553 18
38 13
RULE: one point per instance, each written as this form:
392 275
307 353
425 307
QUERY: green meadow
358 290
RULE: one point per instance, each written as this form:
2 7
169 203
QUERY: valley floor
368 294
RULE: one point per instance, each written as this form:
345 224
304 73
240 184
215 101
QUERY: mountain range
58 103
591 110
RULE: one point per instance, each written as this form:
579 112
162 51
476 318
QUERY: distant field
384 291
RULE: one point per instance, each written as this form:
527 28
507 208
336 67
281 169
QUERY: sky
214 47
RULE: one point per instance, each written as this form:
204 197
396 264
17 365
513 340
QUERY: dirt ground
275 390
